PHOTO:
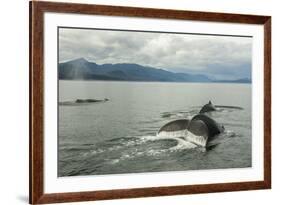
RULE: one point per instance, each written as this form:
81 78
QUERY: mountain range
81 69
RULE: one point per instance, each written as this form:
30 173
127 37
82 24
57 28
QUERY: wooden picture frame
37 10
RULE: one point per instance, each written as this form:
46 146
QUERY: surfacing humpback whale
207 108
199 130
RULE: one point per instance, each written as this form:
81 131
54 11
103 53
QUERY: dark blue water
119 136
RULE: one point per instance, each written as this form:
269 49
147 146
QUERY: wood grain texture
36 103
149 13
36 106
267 103
149 192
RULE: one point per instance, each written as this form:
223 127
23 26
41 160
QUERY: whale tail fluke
176 125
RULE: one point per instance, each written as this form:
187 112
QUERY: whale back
207 108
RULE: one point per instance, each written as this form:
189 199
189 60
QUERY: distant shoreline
81 69
135 81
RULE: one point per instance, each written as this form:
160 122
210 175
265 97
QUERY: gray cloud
214 55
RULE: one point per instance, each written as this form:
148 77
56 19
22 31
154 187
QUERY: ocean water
119 135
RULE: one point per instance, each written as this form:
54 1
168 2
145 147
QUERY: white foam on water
229 133
183 144
174 134
184 139
114 161
181 137
187 136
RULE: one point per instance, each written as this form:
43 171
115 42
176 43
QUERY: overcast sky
220 57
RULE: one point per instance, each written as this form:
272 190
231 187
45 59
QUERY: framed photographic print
137 102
